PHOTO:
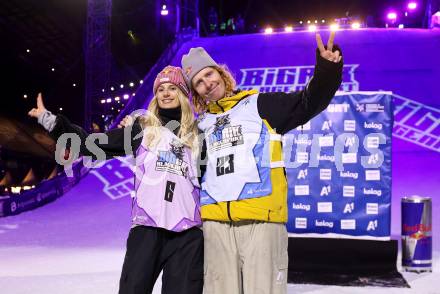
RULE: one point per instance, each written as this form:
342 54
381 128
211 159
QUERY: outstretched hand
327 53
36 112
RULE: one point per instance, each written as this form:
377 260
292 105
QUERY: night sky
44 25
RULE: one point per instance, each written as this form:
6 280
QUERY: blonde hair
200 104
188 132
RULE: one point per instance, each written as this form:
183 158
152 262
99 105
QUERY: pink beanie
173 75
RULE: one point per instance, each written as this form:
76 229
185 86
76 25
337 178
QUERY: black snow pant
151 250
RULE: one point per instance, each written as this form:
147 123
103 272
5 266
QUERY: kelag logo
290 78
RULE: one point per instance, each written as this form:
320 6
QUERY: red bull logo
416 229
417 236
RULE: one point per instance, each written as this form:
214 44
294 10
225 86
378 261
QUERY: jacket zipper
228 203
223 110
229 210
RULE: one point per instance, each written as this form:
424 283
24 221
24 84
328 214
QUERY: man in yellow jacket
244 188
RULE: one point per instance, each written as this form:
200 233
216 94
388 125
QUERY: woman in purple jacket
165 233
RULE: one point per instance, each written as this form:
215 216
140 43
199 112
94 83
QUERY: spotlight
117 98
103 90
316 21
74 85
355 25
15 190
268 30
131 35
109 100
121 86
334 27
28 50
61 109
401 26
323 21
25 96
111 88
141 82
131 84
300 22
288 29
312 28
412 5
164 10
308 21
392 16
102 101
53 69
126 96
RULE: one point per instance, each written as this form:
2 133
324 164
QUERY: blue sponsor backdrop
339 169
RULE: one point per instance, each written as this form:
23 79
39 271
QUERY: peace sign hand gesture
328 53
36 112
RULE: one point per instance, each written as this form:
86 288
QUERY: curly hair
200 104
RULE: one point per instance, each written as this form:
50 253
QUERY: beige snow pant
246 257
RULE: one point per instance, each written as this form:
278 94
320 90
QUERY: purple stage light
164 10
412 5
392 15
268 30
288 29
356 25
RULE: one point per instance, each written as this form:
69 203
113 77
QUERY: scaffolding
97 54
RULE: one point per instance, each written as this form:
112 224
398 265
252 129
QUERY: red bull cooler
417 234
